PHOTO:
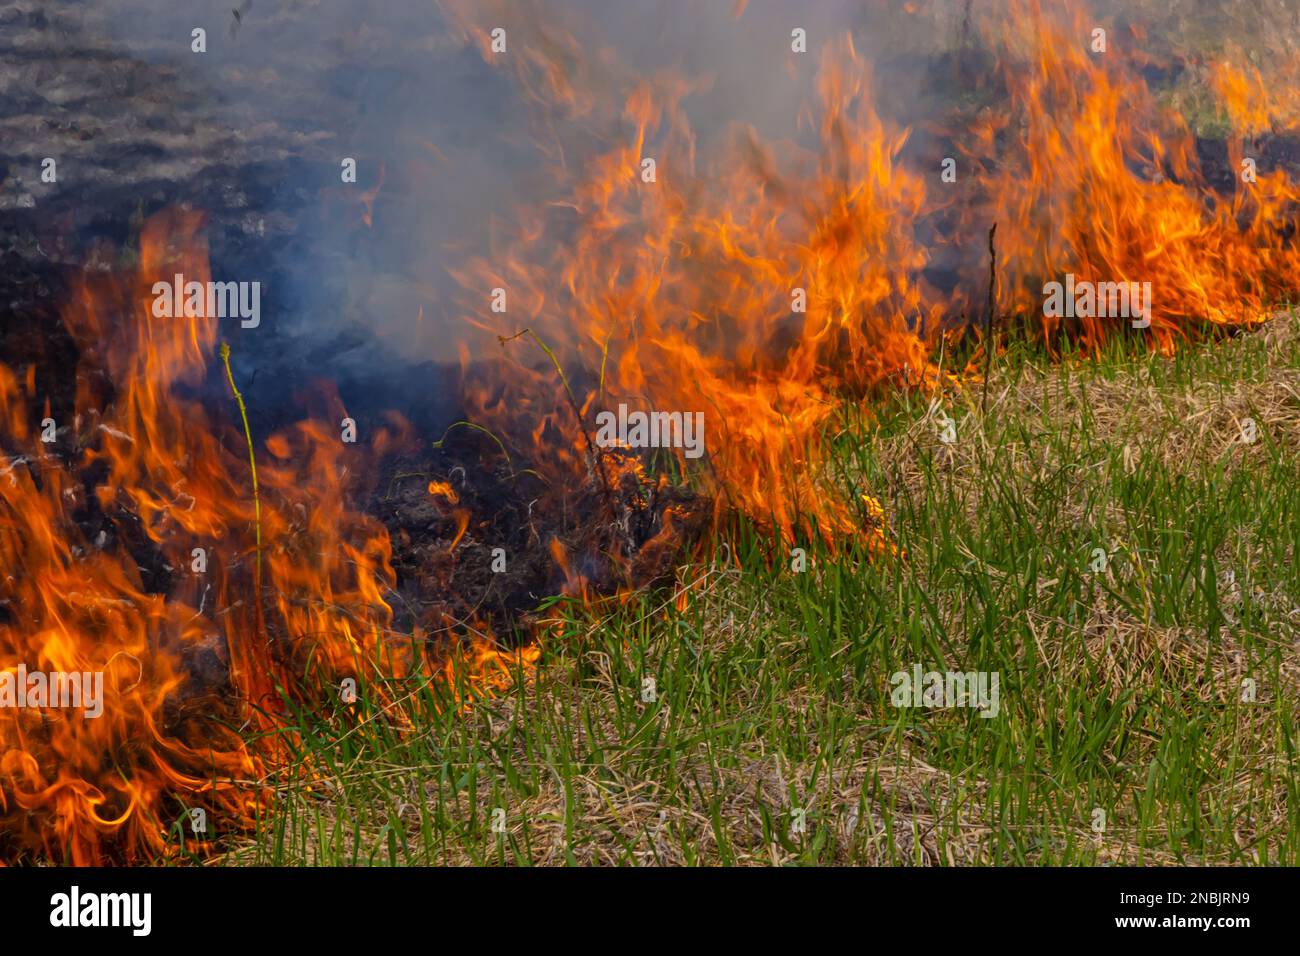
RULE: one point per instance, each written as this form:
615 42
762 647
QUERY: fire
131 550
75 600
1255 105
445 490
680 294
1103 182
765 285
767 288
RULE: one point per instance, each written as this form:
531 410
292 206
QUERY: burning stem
252 463
988 319
437 446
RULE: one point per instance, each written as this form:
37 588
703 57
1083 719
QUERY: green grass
1120 691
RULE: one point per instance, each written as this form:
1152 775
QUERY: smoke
405 87
452 139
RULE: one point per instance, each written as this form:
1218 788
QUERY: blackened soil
524 540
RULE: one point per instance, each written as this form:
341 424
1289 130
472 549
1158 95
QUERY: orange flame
167 491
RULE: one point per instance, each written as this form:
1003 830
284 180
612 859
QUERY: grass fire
513 433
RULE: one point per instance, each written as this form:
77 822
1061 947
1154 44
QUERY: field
1147 696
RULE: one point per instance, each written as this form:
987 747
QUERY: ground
1127 732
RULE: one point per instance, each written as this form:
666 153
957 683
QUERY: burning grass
1120 690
